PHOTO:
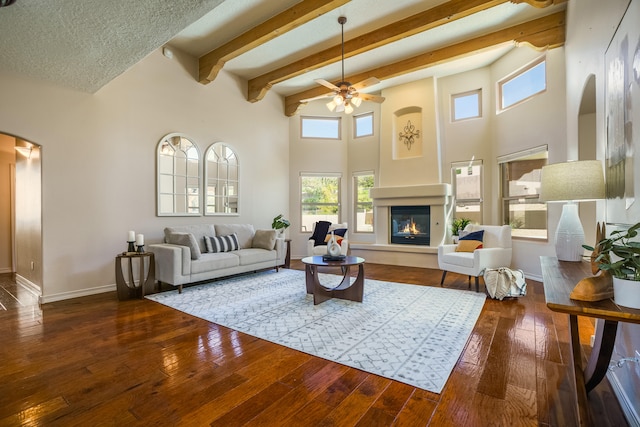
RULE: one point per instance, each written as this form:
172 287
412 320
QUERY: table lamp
571 182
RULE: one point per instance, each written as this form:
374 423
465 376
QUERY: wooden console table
559 279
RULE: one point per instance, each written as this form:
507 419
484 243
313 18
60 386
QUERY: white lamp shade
331 105
569 182
579 180
356 101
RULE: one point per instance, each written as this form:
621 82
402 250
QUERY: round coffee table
345 290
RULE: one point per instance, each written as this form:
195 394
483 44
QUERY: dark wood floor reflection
98 361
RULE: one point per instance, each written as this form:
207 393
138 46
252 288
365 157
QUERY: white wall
541 120
99 154
462 140
590 26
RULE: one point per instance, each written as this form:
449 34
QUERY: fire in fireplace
410 225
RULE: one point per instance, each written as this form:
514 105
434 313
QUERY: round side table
128 289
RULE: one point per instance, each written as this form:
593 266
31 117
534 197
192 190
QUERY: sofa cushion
198 231
244 232
264 239
226 243
463 259
217 261
185 239
470 242
255 255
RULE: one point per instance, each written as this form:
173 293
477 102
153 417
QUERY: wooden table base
345 290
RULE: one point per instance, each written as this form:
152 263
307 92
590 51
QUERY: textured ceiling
84 44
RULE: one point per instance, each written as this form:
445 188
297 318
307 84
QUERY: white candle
132 236
139 240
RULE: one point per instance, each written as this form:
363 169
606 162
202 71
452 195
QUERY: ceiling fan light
338 99
331 105
356 101
340 108
348 109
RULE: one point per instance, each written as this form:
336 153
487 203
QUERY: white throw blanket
503 282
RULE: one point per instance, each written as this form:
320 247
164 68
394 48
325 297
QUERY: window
178 176
362 183
363 125
221 180
467 105
524 84
520 180
467 186
320 127
319 199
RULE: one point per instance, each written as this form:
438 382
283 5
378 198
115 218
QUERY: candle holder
131 248
140 249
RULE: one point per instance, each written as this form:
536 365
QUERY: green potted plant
619 255
280 224
457 226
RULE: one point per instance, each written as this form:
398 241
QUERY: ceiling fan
345 95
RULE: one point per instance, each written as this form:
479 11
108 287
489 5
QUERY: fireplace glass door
410 225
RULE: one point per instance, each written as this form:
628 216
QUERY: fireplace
410 225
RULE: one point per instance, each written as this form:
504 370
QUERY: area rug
409 333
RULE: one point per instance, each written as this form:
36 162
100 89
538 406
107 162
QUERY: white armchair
321 248
495 253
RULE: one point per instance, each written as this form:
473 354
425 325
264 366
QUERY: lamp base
570 234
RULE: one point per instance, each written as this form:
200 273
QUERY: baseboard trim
6 270
625 403
76 294
30 287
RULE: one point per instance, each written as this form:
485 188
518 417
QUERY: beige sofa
184 257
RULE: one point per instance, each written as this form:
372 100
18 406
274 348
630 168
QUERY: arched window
178 176
221 180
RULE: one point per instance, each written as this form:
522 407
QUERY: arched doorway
21 219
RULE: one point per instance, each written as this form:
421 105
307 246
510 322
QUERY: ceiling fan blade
373 98
365 83
325 83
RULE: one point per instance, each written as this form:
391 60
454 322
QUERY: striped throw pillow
222 243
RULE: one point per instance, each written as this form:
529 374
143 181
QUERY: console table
559 279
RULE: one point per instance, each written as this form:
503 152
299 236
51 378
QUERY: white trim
29 286
520 154
625 403
79 293
6 270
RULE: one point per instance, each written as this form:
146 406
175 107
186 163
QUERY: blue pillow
470 242
319 232
339 232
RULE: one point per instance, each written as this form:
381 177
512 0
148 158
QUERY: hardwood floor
98 361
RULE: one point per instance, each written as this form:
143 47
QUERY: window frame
336 119
529 154
171 178
518 73
355 125
332 175
464 95
357 203
470 201
222 182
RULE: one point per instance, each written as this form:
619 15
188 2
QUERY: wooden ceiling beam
440 15
211 63
546 32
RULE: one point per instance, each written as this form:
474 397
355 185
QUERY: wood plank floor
98 361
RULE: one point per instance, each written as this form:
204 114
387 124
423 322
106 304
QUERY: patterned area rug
413 334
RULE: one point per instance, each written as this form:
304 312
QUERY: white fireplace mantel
431 195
